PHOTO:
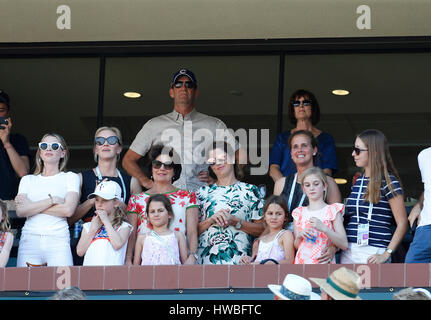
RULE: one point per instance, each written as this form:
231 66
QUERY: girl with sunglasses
375 202
304 114
107 150
47 198
163 168
230 210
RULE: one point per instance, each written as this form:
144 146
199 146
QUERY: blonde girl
160 246
275 245
104 240
318 225
6 237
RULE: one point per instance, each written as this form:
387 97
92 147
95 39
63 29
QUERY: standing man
177 129
420 248
14 152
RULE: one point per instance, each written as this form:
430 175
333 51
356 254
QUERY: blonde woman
47 198
108 145
375 201
6 237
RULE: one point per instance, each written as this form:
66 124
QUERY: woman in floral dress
230 211
164 168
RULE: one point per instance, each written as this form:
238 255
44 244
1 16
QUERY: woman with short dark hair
304 114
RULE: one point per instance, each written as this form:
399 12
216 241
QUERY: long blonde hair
380 163
5 224
63 161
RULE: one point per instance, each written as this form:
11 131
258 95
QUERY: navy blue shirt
8 178
382 219
326 157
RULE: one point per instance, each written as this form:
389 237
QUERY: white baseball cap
107 190
294 287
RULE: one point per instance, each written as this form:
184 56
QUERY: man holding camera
14 152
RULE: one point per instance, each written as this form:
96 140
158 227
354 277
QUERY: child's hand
245 260
103 215
307 233
318 225
95 223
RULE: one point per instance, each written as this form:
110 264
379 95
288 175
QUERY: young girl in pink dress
318 225
160 245
275 245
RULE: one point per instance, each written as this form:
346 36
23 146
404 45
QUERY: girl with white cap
104 240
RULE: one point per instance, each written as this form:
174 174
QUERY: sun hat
424 291
107 190
294 287
342 284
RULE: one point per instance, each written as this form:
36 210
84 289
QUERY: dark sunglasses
158 164
357 151
188 84
53 146
305 103
100 141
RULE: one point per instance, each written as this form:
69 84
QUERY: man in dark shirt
14 153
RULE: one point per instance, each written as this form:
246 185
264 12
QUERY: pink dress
271 249
160 249
310 250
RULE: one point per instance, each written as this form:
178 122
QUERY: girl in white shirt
47 198
104 240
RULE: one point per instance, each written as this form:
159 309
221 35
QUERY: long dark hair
281 201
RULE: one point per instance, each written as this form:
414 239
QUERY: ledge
199 276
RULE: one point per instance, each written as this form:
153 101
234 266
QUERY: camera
3 120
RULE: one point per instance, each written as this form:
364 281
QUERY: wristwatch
389 251
238 225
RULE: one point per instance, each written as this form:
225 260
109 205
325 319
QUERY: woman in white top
47 198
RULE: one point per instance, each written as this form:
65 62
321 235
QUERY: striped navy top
380 234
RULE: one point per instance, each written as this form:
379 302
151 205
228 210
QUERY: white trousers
39 249
355 254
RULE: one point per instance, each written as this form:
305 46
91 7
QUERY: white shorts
39 249
355 254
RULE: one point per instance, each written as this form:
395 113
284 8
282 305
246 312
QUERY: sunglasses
158 164
357 151
52 145
213 161
100 141
305 103
188 84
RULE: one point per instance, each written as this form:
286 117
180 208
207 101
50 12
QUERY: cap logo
183 71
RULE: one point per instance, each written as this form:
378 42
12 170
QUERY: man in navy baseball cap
184 72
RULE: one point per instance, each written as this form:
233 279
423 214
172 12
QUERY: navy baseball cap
184 72
4 98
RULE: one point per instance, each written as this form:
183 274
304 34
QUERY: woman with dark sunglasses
163 168
107 150
376 201
47 198
304 114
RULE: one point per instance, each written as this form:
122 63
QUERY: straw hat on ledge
342 284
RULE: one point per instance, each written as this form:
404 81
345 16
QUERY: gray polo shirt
188 135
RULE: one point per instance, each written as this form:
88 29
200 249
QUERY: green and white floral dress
218 245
